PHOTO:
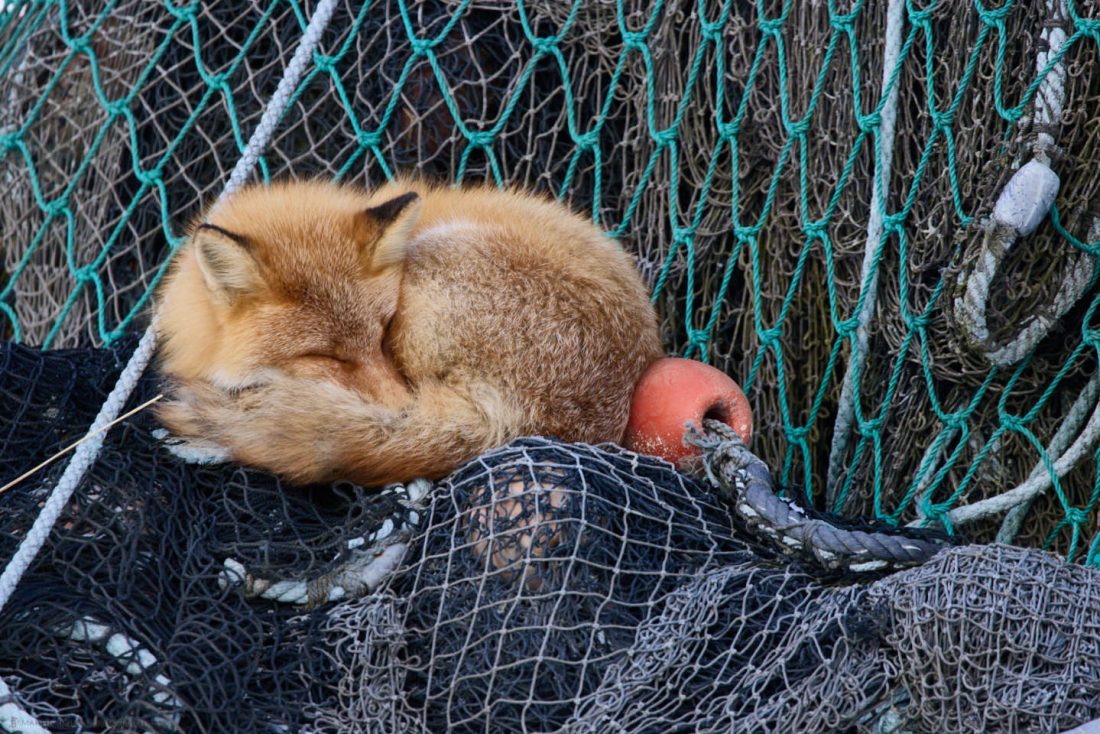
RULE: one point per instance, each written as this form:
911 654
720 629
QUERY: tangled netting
544 587
733 146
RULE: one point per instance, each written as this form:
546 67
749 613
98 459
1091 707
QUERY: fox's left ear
384 230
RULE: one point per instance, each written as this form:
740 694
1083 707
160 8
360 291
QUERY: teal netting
732 146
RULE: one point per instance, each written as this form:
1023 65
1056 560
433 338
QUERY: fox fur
324 332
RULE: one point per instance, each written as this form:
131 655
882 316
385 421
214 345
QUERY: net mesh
544 587
731 146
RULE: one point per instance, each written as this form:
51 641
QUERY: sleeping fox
324 332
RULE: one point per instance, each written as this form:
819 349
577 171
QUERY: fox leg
312 431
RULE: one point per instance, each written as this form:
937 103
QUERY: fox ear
384 230
226 265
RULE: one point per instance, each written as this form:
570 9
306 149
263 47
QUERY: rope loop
827 543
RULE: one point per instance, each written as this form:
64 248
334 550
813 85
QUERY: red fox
324 332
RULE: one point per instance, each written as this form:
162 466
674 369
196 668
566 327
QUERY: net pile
733 147
545 587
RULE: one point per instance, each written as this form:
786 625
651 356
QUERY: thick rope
371 559
744 480
86 454
869 276
1020 208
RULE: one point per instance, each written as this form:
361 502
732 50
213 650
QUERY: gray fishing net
542 587
732 146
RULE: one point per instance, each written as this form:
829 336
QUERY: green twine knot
1076 516
85 274
698 338
842 22
55 208
769 337
918 322
479 138
796 434
771 26
634 40
80 45
324 62
665 137
369 139
867 123
544 45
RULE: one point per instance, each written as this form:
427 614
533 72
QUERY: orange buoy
673 392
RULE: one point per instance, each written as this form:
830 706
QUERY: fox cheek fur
392 335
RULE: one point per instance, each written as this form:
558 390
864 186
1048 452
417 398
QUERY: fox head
297 278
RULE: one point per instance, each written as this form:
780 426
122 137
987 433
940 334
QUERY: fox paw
193 450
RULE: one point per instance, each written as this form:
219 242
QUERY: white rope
372 559
1070 426
869 276
13 717
82 459
135 660
86 454
1021 207
1040 479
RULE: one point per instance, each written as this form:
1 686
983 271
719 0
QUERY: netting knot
217 82
147 177
943 120
796 434
633 40
1012 422
421 46
798 128
587 141
842 22
991 17
55 208
771 26
1091 26
867 123
115 107
369 139
324 62
544 45
1076 516
479 138
918 322
666 137
80 45
698 339
768 337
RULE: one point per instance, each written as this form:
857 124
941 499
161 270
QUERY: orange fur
325 332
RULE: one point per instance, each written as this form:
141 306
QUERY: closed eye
330 358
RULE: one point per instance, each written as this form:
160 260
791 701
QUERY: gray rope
746 482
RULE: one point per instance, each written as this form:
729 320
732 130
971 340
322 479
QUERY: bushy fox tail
310 432
435 433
